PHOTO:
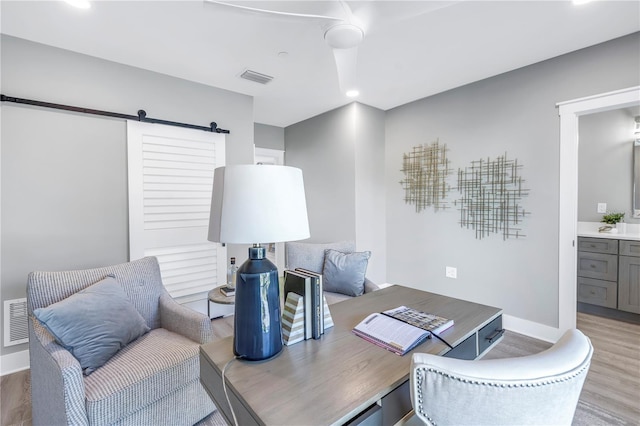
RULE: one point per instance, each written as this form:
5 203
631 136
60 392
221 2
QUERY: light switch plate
451 272
602 207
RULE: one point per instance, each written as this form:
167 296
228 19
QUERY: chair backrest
140 279
537 389
311 255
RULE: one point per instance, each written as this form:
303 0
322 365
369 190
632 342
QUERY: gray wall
323 147
270 137
64 182
514 113
605 167
371 233
341 154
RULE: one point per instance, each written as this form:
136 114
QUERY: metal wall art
492 191
426 168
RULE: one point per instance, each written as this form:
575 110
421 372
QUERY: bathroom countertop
590 229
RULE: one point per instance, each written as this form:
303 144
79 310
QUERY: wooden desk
339 377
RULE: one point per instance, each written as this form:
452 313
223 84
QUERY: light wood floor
612 385
613 381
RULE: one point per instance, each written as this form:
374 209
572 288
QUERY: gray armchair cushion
94 323
311 256
345 272
157 366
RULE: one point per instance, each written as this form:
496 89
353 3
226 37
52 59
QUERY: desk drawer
598 292
489 334
598 266
396 404
465 350
372 416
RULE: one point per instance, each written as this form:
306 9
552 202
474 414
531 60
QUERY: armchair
152 380
537 389
311 256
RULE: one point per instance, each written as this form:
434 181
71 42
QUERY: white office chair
537 389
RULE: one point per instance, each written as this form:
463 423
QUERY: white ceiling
411 49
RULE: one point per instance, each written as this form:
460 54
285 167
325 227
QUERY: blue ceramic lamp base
257 326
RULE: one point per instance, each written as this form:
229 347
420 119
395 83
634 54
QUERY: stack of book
307 285
228 291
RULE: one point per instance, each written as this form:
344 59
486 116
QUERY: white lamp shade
258 204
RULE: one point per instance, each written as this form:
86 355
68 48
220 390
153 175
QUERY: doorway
570 112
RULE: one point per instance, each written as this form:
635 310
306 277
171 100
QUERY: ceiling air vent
256 77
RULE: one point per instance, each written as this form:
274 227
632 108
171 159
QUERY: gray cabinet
609 273
598 266
597 245
629 277
598 292
598 271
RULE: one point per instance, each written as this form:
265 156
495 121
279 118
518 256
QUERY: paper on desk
390 333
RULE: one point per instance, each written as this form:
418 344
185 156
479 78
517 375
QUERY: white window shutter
170 185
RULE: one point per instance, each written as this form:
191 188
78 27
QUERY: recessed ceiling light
581 1
352 93
80 4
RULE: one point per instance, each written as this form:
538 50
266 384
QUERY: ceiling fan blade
346 65
374 15
276 13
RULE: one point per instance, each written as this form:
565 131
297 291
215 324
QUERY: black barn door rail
142 114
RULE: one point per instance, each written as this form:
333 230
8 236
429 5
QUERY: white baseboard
14 362
531 329
385 285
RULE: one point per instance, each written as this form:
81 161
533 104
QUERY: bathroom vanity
609 267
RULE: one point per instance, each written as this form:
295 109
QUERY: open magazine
393 331
423 320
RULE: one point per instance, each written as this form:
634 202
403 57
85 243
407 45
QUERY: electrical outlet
602 207
451 272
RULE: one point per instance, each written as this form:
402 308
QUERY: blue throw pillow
94 323
345 272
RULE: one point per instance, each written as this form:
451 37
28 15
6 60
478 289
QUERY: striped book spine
293 319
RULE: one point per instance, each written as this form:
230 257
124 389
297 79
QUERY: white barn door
170 185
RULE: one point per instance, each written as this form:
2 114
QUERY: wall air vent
16 330
256 77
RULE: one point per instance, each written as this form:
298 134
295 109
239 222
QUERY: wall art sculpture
492 191
426 169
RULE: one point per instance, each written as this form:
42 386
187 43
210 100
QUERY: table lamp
254 204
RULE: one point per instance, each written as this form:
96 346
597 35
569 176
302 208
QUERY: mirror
636 178
609 165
